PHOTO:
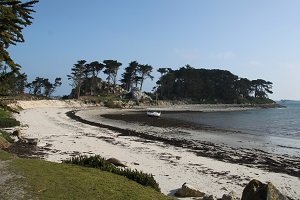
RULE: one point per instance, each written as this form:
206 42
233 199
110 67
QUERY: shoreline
248 157
61 137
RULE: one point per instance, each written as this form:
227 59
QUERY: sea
274 130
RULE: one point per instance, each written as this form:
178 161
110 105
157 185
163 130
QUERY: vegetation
100 163
42 86
135 74
47 180
211 86
14 16
6 119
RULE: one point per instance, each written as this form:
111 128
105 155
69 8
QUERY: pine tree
14 17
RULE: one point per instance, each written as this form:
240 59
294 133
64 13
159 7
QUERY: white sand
171 166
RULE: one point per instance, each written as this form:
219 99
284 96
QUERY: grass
4 113
99 162
6 119
47 180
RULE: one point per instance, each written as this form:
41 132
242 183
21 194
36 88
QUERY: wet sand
248 157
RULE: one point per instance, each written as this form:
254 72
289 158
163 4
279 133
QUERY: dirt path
10 185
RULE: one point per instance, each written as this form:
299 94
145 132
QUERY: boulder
231 196
209 197
16 133
188 190
115 162
138 95
256 190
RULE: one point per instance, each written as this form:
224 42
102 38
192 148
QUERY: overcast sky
252 39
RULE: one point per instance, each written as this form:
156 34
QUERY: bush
100 163
8 122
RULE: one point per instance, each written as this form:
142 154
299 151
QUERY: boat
152 113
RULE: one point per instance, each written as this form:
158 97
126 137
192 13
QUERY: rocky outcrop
209 197
116 162
256 190
231 196
138 95
188 190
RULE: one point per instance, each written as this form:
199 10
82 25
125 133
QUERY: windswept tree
15 15
37 85
77 76
95 68
129 76
111 69
49 87
42 86
261 88
162 72
144 72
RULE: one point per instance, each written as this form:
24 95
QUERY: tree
144 72
37 85
11 83
111 69
49 88
14 17
210 85
162 72
77 76
42 86
94 67
261 88
129 76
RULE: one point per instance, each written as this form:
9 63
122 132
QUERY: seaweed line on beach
247 157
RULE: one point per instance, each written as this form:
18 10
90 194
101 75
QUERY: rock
259 191
115 162
231 196
139 95
188 190
209 197
16 133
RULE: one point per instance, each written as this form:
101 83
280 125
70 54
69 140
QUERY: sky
252 39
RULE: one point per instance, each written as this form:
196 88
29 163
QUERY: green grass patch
100 163
47 180
6 119
4 114
8 122
4 155
6 136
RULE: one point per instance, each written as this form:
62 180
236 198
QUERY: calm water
280 126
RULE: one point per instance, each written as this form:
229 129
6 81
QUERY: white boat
152 113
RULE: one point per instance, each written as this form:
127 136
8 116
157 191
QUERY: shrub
100 163
8 122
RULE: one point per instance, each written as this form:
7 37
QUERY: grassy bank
47 180
6 119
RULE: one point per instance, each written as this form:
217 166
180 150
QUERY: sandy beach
60 137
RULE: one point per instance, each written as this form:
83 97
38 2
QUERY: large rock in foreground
256 190
188 190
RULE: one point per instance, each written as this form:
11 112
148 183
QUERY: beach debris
115 162
231 196
260 191
188 190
